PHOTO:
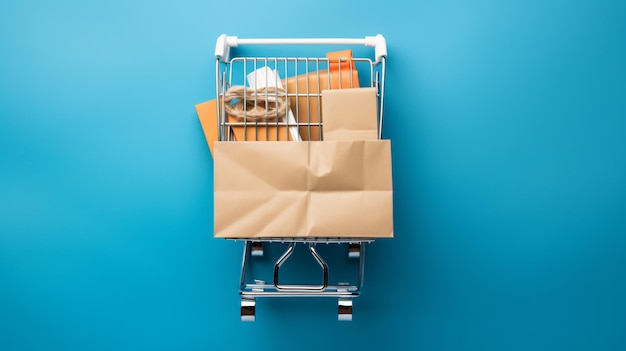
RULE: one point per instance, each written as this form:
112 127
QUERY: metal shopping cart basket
261 98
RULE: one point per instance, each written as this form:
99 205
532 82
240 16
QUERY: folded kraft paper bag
350 114
305 189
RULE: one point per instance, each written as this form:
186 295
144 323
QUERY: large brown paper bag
306 189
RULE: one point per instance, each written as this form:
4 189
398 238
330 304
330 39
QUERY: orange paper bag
207 114
341 74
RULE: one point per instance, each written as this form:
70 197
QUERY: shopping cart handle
225 42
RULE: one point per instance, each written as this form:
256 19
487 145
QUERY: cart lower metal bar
297 294
292 287
344 292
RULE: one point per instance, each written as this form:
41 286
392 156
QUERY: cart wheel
256 248
248 309
344 312
354 250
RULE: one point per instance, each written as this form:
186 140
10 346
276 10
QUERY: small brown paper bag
305 189
350 114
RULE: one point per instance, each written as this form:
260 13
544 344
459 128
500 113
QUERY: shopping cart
265 87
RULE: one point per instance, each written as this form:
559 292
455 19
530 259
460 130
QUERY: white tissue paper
267 77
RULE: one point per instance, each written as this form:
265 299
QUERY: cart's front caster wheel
354 250
248 309
344 312
256 248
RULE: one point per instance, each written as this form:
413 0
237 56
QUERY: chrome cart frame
344 292
232 70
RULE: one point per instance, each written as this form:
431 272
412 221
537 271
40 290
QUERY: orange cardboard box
260 131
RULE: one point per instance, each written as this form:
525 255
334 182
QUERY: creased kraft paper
305 189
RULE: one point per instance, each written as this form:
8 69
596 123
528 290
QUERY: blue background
508 123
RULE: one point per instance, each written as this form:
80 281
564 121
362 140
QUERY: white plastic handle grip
225 42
